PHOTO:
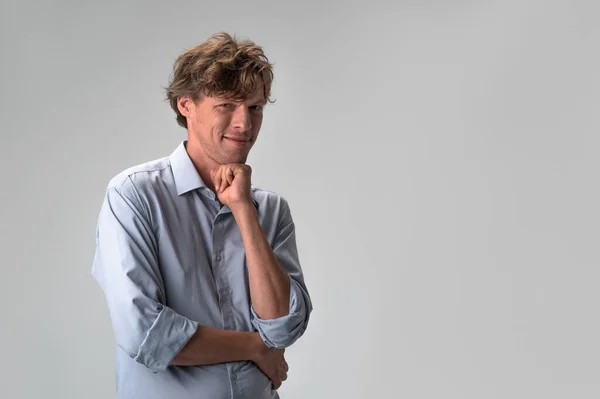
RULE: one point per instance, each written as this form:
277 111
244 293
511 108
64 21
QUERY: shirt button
218 257
234 377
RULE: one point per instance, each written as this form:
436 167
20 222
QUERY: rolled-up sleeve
284 331
127 269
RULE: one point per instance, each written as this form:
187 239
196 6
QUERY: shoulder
141 178
268 197
271 203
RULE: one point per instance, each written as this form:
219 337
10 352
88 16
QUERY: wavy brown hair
220 66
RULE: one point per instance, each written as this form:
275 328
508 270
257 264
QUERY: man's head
218 90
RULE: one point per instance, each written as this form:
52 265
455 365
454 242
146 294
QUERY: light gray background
440 159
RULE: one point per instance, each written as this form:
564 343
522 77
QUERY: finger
229 176
224 179
276 385
216 176
284 377
285 366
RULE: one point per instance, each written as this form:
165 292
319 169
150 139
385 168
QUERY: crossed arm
126 267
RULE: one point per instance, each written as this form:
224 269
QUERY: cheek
257 122
220 128
221 124
197 118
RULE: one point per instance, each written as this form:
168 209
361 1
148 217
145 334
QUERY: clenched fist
232 184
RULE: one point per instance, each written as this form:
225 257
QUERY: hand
232 183
272 363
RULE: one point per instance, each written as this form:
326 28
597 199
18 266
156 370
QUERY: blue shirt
170 259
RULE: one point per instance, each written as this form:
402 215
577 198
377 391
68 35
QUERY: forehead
258 95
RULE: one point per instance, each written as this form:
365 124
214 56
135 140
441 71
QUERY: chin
226 160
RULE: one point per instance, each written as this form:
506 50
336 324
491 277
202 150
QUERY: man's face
224 129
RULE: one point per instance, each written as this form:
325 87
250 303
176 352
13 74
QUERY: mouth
238 140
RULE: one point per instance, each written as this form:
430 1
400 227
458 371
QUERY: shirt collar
187 177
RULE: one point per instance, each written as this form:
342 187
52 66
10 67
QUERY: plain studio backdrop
440 159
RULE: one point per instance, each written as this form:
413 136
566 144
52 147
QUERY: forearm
269 284
210 346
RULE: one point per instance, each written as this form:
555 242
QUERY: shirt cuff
165 339
284 331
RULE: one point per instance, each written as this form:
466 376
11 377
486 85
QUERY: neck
202 163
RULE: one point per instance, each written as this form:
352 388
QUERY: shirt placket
220 271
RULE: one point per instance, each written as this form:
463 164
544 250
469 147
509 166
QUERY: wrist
243 208
256 346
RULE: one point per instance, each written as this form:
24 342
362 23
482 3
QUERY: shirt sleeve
127 269
284 331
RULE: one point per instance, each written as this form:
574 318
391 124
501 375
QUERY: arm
210 345
126 267
281 305
269 285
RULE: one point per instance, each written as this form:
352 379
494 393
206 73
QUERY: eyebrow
253 100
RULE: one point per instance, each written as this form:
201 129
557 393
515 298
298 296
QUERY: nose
241 119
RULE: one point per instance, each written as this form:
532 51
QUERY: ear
185 104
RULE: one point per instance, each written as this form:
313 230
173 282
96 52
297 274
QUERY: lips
238 139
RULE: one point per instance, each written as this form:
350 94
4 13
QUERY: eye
256 108
226 105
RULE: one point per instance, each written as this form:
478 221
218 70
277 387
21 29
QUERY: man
200 268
